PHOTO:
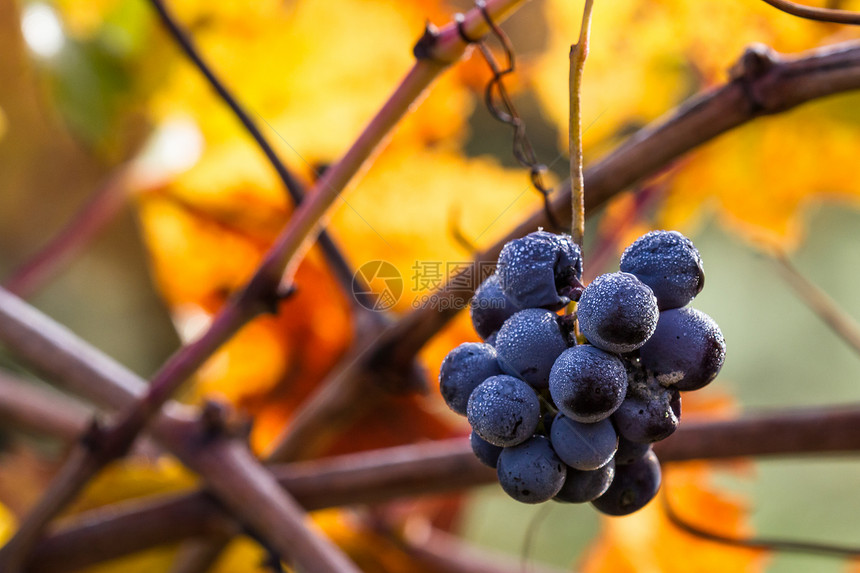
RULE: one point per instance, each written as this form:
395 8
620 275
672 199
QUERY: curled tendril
501 106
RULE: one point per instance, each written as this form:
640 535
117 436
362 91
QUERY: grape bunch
571 416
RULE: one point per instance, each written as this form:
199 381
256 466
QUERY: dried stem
819 302
578 54
97 212
831 15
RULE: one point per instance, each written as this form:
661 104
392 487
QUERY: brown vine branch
66 359
763 83
371 477
830 15
430 468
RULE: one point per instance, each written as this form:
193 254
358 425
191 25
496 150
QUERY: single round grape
633 486
687 349
487 453
537 271
646 415
531 472
617 312
490 308
667 262
628 452
504 410
528 344
583 446
587 384
463 369
580 486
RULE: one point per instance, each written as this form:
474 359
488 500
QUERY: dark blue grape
539 270
531 472
504 410
580 486
583 446
463 369
528 344
686 351
617 312
587 384
490 308
628 452
667 262
487 453
646 415
633 486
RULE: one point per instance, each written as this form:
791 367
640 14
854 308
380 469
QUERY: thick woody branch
241 482
431 468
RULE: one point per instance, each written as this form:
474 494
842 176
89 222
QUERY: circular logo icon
377 285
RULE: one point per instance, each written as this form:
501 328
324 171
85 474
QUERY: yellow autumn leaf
647 540
312 76
3 123
761 178
134 477
402 212
8 524
647 57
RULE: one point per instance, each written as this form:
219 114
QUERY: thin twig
578 54
25 406
819 302
333 253
765 543
831 15
446 553
85 225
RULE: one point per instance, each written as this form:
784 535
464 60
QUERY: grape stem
578 54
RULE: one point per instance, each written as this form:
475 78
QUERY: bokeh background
94 95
